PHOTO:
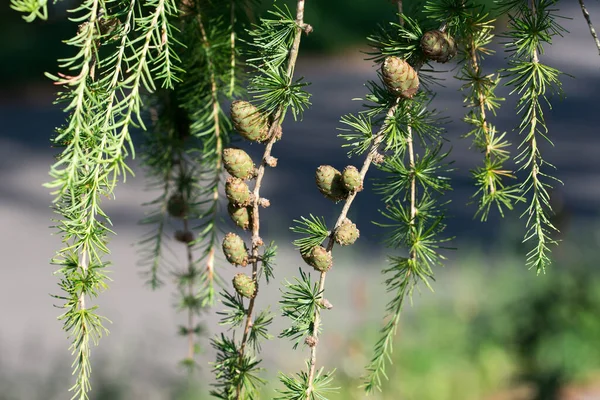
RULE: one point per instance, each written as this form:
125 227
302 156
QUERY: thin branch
586 15
273 130
232 44
219 142
373 153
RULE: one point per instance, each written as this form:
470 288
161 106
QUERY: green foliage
297 386
529 29
34 8
315 230
299 302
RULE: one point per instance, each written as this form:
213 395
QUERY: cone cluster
238 163
244 286
347 233
399 77
235 249
329 182
438 46
249 122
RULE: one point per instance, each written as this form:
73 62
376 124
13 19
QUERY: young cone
351 179
235 249
184 236
176 206
319 258
240 215
347 233
329 182
238 163
399 77
438 46
244 285
249 122
237 191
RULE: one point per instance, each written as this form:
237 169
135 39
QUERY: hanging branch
190 131
276 43
531 27
303 303
481 98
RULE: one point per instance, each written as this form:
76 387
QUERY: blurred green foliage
490 330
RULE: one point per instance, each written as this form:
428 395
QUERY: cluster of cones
401 78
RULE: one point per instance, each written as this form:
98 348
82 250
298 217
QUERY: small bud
329 183
242 216
235 250
184 236
237 191
399 77
249 122
311 341
351 179
244 286
326 304
238 163
176 206
271 161
347 233
378 158
307 28
264 203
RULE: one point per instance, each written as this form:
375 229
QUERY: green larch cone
347 233
438 46
399 77
237 191
235 249
351 179
238 163
249 122
244 285
176 206
320 259
329 182
242 216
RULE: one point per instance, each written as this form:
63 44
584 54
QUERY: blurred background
492 329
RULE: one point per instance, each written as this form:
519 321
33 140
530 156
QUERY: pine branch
275 127
489 178
218 168
530 29
371 156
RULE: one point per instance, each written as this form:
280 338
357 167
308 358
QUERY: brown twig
586 15
275 127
